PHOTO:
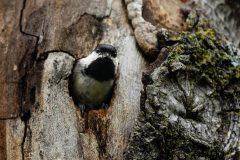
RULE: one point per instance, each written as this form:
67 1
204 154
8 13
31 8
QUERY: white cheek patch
93 56
89 59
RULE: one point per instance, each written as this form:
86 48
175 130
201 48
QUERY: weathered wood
77 29
68 26
190 106
160 13
3 154
17 50
224 16
16 53
37 40
15 137
147 17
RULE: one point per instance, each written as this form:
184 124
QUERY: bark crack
24 78
25 116
8 118
21 21
24 137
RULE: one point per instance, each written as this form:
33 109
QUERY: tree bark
39 43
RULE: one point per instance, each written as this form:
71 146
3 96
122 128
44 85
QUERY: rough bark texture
224 16
39 42
16 53
190 106
51 126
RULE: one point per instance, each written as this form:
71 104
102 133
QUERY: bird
93 78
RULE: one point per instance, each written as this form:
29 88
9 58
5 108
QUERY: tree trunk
39 43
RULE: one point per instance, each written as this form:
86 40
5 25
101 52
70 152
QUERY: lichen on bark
190 104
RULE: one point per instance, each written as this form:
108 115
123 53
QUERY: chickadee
93 77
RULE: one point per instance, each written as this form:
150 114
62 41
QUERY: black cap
106 49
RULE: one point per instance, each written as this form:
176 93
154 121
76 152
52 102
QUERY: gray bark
39 42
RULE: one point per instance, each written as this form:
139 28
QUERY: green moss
197 56
212 62
209 33
180 50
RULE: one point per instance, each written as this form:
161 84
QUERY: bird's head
102 63
106 50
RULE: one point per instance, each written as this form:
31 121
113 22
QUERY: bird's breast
91 91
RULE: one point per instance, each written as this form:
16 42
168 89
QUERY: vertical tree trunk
39 43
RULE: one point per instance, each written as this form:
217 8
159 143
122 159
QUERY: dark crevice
25 114
34 53
24 139
22 92
187 102
44 55
25 118
25 78
146 80
20 22
163 41
143 98
100 19
33 95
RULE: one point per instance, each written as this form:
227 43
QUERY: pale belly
90 91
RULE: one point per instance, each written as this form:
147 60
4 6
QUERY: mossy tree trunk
39 42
